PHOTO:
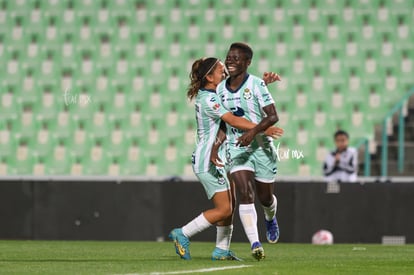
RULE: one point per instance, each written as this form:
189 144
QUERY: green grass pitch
90 257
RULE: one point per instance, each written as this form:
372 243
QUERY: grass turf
87 257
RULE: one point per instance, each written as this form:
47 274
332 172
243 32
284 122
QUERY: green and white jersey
208 115
248 102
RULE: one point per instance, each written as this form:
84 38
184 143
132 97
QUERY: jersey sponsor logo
237 111
263 84
224 98
247 94
266 98
216 107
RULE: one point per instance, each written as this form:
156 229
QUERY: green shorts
213 181
261 161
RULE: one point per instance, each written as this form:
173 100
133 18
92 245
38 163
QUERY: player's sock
196 226
248 217
223 237
270 211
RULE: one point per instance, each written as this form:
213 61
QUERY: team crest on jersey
221 180
247 94
216 106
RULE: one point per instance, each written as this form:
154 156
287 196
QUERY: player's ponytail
200 69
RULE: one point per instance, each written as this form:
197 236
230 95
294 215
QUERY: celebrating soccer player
251 155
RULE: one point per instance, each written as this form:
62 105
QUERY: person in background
341 164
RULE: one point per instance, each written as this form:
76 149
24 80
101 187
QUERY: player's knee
225 211
247 197
266 200
246 194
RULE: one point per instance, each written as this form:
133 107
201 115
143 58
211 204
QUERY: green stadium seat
14 32
49 105
59 161
5 168
113 168
141 17
358 122
98 126
23 161
304 106
7 138
80 141
9 104
190 134
26 123
117 140
134 123
96 163
151 168
3 12
44 139
77 168
283 114
79 103
13 68
400 7
134 163
170 162
64 125
154 142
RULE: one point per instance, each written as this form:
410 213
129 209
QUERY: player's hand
215 159
274 132
270 77
246 138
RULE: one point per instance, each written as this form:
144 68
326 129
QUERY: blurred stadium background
97 87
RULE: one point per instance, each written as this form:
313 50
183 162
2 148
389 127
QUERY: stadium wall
148 210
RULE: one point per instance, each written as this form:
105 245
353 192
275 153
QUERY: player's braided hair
200 69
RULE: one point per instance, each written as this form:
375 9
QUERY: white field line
204 270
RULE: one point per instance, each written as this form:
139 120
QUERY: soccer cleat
181 243
258 251
272 230
224 255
